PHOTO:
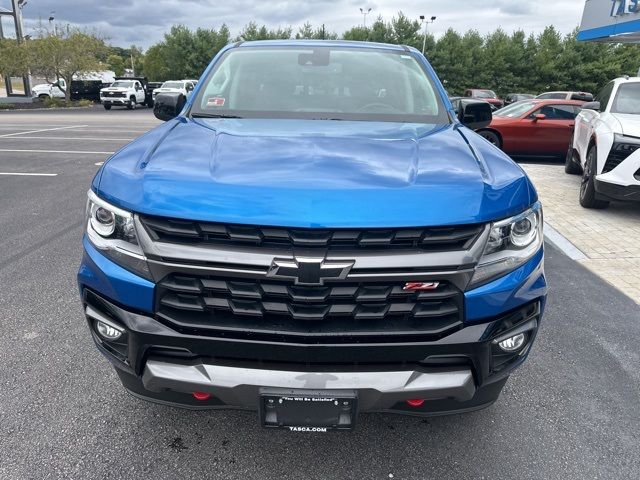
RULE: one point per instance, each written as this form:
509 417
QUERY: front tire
132 103
570 165
106 107
588 187
492 137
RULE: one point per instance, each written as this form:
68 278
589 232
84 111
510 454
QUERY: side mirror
168 105
474 114
591 106
539 116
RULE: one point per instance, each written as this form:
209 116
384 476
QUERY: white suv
606 145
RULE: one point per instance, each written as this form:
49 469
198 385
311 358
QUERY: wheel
491 137
570 165
132 103
43 96
107 107
587 187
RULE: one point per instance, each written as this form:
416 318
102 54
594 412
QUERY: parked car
184 87
486 95
126 92
314 235
605 145
540 128
582 96
516 97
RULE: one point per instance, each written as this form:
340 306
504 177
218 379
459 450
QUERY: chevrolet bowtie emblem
309 271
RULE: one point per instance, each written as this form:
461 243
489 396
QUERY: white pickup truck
185 87
50 90
123 92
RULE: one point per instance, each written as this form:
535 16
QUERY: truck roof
318 43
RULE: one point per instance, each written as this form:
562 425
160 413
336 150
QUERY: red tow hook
202 396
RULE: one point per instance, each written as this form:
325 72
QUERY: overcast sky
143 22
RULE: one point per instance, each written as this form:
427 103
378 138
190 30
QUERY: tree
155 65
14 58
308 32
406 31
117 64
64 53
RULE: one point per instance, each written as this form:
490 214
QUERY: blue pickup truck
316 233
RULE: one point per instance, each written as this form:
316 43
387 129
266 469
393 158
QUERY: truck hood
306 173
629 123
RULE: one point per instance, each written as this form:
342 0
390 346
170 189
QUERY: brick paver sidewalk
610 238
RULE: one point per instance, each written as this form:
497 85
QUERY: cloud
143 22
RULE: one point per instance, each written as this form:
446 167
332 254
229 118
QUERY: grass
46 103
59 103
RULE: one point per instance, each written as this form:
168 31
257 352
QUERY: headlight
511 243
625 144
112 231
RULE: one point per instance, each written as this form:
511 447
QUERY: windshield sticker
215 102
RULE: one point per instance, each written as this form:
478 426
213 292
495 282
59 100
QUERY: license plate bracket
308 410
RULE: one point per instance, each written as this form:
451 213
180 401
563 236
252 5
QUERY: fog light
512 344
107 331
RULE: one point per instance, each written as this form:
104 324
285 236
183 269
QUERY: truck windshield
627 99
484 94
122 84
320 83
172 85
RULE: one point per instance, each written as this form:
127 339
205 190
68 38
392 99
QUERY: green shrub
53 102
7 106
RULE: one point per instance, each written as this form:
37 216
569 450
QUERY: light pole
426 24
365 12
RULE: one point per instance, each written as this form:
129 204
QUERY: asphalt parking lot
570 412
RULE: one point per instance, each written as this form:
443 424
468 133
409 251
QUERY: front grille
115 94
341 312
425 239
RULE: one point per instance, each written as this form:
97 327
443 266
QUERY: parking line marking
52 151
30 174
41 130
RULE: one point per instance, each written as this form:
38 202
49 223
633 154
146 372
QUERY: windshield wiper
213 115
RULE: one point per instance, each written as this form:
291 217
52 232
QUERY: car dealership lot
608 239
570 412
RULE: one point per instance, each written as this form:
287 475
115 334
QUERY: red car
488 96
540 128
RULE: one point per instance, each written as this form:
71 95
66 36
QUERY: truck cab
50 90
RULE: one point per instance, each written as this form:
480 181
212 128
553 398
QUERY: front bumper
114 100
459 372
624 193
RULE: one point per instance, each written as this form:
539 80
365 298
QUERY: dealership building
611 21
